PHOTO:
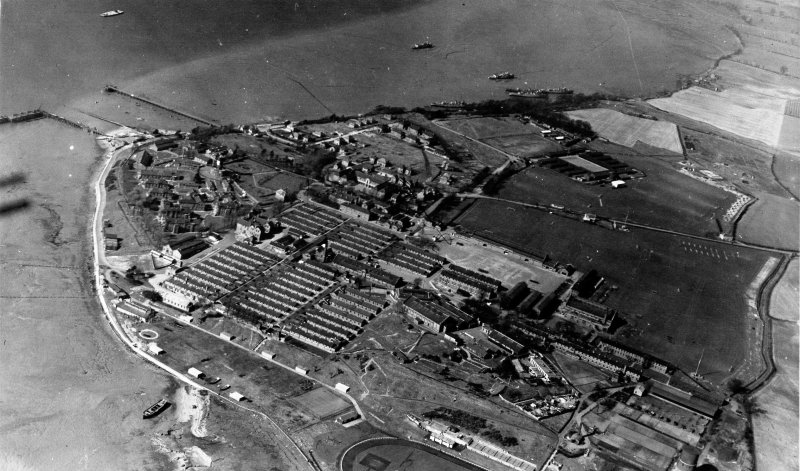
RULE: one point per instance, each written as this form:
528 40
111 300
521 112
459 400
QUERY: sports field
627 130
510 268
400 455
665 198
679 295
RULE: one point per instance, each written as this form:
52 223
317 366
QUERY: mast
698 362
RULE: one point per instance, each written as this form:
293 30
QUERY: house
371 181
347 417
541 368
183 248
503 341
383 279
469 281
586 312
195 373
284 245
134 309
514 296
111 241
437 316
355 211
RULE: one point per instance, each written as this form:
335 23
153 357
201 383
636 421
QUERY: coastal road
118 329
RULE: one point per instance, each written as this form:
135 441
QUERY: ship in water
557 91
111 13
425 45
502 76
155 409
525 92
449 104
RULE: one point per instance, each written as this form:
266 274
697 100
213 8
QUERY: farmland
674 292
626 130
776 427
787 171
747 114
664 198
771 221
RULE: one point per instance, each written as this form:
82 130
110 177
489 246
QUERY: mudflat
71 396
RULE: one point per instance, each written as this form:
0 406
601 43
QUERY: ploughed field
665 198
627 130
679 295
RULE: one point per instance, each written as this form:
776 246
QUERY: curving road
99 255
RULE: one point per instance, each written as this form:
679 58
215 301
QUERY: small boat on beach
111 13
155 409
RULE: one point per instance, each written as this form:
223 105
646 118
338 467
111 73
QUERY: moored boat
155 409
502 76
425 45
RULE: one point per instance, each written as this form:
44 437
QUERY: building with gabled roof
437 316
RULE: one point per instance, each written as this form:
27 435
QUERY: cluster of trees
204 133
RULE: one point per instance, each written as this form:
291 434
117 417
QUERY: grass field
486 128
506 134
771 221
744 113
777 427
280 180
399 153
784 301
527 145
626 130
787 171
678 295
270 387
664 198
321 402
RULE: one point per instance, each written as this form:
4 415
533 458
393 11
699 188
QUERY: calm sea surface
244 59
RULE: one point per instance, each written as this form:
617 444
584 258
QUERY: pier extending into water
42 114
113 89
